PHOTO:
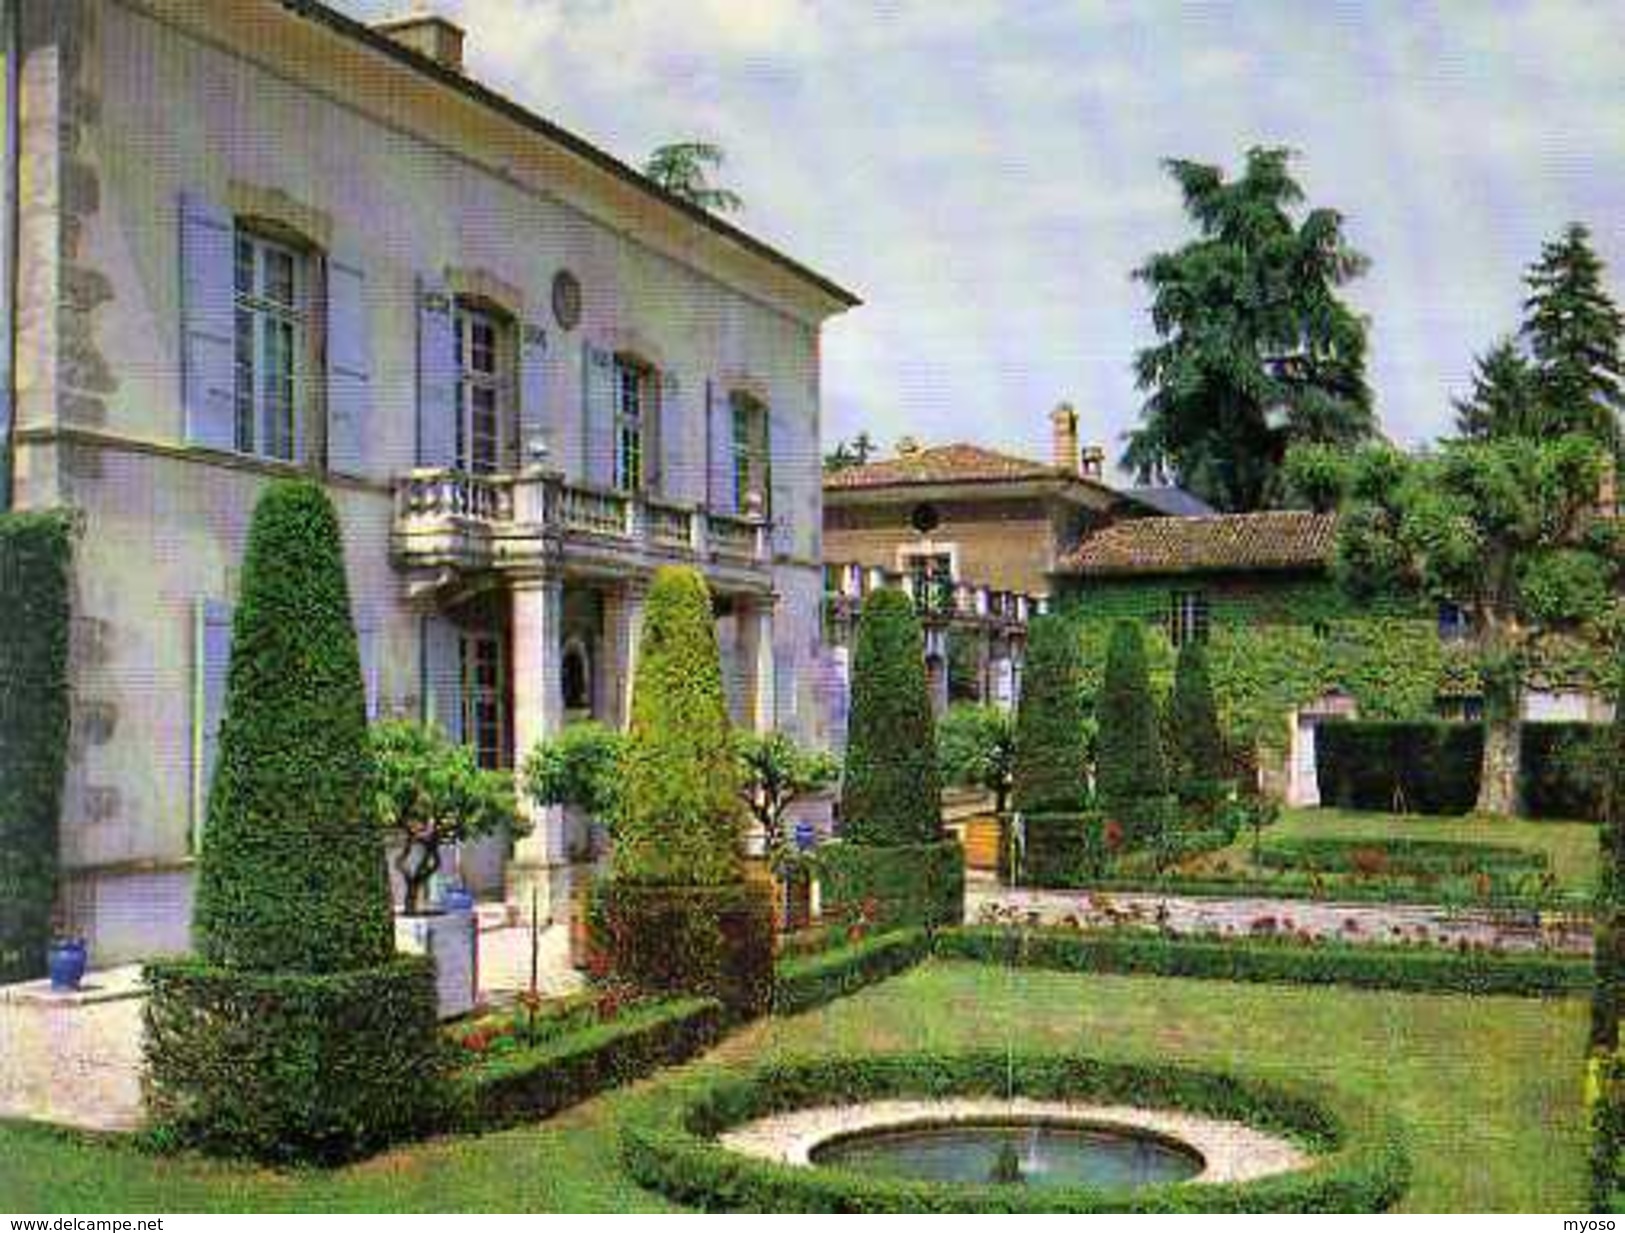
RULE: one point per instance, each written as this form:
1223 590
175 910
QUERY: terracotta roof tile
940 464
1275 539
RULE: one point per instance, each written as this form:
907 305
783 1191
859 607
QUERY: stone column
541 859
755 621
623 630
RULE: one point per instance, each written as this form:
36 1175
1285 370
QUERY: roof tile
1273 539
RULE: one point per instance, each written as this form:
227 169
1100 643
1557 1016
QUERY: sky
988 175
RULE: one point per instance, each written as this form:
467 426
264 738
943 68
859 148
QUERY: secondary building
257 240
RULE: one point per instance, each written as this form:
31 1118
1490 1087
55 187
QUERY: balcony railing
448 517
936 598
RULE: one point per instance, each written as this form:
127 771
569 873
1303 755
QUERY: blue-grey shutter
719 461
443 675
212 667
666 476
532 390
598 415
784 466
208 324
437 377
349 366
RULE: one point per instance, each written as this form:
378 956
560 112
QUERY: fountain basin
956 1139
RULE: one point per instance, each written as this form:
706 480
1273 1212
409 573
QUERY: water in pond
1049 1154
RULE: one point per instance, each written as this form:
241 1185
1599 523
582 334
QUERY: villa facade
257 239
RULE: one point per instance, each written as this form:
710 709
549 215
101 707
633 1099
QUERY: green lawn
1571 847
1491 1087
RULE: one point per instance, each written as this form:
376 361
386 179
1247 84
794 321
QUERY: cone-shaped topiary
1052 751
680 915
681 813
292 876
891 793
297 1034
1130 773
1195 744
1609 997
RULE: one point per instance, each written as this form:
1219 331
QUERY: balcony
939 600
448 519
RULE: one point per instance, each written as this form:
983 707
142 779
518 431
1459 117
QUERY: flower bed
1376 857
1289 960
812 980
1361 1159
523 1084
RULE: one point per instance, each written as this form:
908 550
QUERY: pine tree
1575 334
892 792
1505 401
1130 773
1195 743
1052 753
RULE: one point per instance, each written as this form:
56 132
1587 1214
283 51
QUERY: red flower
1112 832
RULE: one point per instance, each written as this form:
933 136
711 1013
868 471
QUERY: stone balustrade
939 600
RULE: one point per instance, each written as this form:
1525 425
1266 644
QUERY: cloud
986 174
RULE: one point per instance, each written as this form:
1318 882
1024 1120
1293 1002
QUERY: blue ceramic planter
67 962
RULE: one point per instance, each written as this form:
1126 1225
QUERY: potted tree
431 793
775 773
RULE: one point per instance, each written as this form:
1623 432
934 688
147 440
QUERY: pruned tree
775 773
683 169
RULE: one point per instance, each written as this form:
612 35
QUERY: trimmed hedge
1402 767
712 941
1285 961
917 884
812 980
1330 854
1565 770
1196 757
529 1084
36 556
294 1067
1131 774
891 788
1293 885
1062 849
1362 1159
1051 771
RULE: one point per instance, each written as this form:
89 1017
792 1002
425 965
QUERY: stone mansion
255 238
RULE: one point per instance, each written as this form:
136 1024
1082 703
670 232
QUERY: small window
932 578
751 476
1187 617
484 405
271 282
634 419
1453 622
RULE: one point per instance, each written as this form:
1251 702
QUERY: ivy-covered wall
35 557
1259 598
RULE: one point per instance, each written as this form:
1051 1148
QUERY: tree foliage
1509 530
683 169
1255 350
1577 338
1196 757
891 793
680 819
1051 771
292 875
1130 773
1505 401
976 747
853 453
579 767
432 792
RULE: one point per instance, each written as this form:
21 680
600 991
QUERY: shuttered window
752 486
634 407
271 286
484 410
1187 617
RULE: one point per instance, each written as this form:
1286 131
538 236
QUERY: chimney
1063 424
1093 464
428 34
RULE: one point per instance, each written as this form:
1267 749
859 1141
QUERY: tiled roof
940 464
1276 539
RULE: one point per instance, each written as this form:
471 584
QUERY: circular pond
1034 1153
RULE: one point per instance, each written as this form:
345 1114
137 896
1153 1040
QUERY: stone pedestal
451 939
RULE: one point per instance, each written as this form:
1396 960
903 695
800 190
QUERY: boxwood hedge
1361 1157
1421 969
36 551
806 981
911 884
529 1084
1333 854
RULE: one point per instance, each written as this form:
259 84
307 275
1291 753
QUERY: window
485 699
751 480
1187 617
932 578
272 299
483 415
634 415
1453 622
